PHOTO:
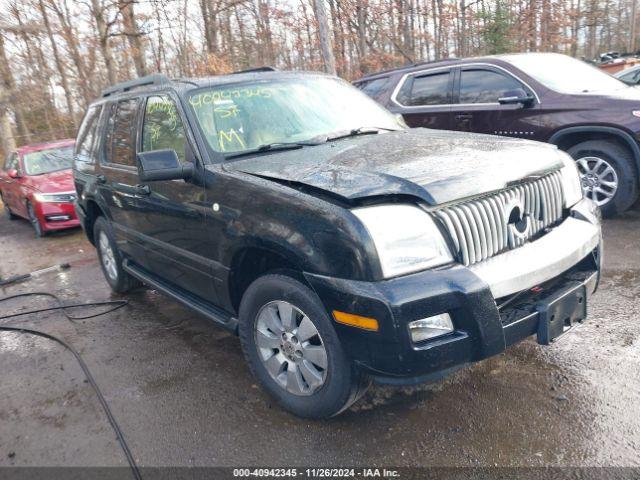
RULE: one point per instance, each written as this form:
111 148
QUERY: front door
477 108
424 99
173 221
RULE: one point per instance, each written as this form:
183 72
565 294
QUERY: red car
36 183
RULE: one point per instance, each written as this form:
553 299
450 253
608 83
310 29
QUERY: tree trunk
64 81
326 45
9 85
103 40
632 26
134 35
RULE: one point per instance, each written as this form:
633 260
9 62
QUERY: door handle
143 190
101 179
464 116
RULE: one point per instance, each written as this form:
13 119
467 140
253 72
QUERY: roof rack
257 69
155 79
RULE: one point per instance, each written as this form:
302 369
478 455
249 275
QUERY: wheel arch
253 261
92 210
568 137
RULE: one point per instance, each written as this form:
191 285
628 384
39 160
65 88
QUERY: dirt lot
183 396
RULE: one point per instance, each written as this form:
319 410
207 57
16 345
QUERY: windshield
246 117
47 161
564 74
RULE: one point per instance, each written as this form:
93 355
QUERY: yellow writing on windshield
226 112
208 98
230 137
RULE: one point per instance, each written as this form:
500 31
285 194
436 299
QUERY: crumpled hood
433 165
54 182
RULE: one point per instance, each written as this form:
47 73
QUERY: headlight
64 197
571 185
405 237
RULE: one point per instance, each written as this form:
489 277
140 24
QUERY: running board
213 313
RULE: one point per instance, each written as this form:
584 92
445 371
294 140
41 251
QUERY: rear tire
296 357
7 211
608 174
111 258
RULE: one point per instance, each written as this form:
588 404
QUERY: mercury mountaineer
341 246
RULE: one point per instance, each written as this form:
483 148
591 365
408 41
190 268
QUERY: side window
631 77
86 134
162 127
119 146
485 86
12 162
374 88
426 90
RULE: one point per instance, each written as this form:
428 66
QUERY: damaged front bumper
493 304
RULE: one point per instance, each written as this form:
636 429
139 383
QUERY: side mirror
513 97
13 173
159 165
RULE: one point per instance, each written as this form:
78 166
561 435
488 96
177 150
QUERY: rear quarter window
86 135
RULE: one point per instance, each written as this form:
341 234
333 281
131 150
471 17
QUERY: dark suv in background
541 96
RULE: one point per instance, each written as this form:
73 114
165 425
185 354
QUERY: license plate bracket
557 315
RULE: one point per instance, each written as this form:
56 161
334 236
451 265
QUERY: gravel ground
183 396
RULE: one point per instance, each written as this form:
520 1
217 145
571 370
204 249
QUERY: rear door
117 175
476 108
172 224
424 98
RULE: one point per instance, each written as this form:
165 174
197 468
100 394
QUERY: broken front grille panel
486 226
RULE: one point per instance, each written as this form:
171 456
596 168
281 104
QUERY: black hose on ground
62 307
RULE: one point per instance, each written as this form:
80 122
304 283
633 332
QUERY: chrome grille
482 227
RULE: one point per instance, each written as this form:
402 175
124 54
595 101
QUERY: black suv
340 246
541 96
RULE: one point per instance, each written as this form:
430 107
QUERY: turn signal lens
357 321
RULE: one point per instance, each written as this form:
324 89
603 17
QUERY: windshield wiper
354 132
273 146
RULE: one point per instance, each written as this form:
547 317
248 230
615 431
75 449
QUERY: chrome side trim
536 262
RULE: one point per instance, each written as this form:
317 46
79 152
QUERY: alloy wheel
598 178
107 256
291 348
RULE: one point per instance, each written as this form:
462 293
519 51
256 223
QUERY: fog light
430 327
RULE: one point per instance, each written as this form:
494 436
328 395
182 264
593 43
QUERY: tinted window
12 162
631 77
374 88
484 86
119 144
426 90
163 126
86 134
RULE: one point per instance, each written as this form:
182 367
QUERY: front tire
608 175
293 350
111 258
35 222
